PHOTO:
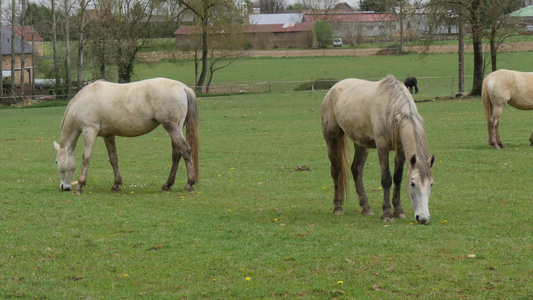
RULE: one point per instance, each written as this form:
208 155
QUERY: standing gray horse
108 109
380 115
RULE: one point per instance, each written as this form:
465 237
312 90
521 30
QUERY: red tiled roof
272 28
28 31
351 18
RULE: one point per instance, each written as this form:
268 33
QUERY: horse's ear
412 161
431 161
56 145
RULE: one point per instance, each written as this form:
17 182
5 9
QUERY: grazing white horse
380 115
505 87
108 109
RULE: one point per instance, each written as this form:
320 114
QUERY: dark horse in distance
411 82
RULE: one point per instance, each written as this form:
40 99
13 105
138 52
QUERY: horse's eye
56 162
432 184
412 183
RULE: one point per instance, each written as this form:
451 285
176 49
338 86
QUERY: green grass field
255 227
437 73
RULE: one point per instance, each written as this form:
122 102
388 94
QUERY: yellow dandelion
248 278
323 187
340 282
35 269
214 279
125 275
229 210
275 220
131 192
199 192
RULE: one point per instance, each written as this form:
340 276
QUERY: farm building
32 37
265 36
6 57
522 18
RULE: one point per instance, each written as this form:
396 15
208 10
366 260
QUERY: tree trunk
68 76
1 61
54 45
22 50
81 44
493 47
13 57
205 53
477 42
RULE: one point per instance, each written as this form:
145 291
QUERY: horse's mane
401 107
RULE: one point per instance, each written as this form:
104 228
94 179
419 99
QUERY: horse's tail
416 88
342 157
191 131
487 103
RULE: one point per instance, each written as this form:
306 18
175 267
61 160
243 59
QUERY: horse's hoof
387 218
165 188
338 211
367 212
115 189
189 188
399 215
76 191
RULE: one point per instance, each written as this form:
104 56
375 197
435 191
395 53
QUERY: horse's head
66 164
419 183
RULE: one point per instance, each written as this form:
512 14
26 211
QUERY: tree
323 33
57 73
81 43
271 6
213 17
375 5
118 32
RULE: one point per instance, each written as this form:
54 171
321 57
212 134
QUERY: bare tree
81 42
13 57
271 6
68 69
57 72
213 17
22 48
1 53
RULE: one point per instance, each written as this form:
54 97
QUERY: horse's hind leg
113 160
335 142
496 140
358 165
180 148
531 139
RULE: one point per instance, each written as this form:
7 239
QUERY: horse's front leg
113 160
358 165
386 183
399 162
531 139
89 137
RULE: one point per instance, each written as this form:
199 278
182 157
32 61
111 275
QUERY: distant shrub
320 84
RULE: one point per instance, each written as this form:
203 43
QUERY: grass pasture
437 73
255 227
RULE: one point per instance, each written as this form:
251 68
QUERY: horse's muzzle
422 220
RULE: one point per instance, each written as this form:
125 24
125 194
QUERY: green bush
323 33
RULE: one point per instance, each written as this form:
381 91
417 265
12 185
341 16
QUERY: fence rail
431 86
